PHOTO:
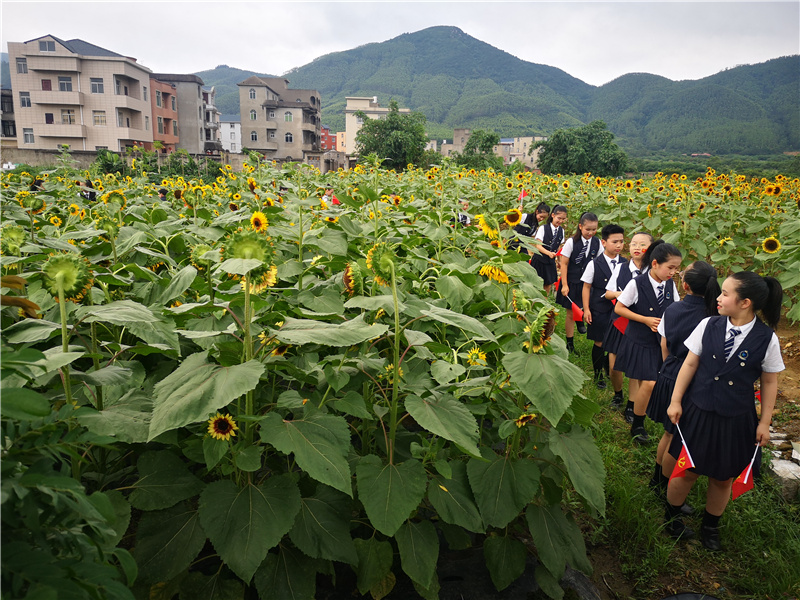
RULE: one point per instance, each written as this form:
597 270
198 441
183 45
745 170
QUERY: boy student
597 310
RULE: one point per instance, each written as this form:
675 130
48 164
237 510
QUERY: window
252 94
65 84
289 138
46 85
99 117
146 123
253 136
272 114
22 65
101 147
120 119
47 46
253 115
9 129
287 116
359 121
174 127
67 116
160 125
233 135
174 108
158 97
24 99
27 136
144 93
97 84
48 119
272 135
233 147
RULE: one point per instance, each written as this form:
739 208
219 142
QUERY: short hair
162 191
611 229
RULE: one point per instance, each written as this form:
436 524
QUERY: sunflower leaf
389 492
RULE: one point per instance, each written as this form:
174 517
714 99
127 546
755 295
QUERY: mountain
459 81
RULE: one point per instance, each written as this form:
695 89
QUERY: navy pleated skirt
612 340
638 361
659 402
575 294
596 330
545 268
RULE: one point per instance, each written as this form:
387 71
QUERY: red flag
335 200
621 323
758 395
558 284
744 482
522 194
684 462
577 313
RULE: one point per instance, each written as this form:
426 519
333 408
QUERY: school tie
613 263
581 254
637 272
660 296
729 342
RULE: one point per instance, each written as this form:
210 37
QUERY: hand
674 412
652 323
587 316
762 434
564 289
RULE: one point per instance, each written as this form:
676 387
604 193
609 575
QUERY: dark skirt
612 340
575 294
721 447
638 361
545 267
596 330
659 402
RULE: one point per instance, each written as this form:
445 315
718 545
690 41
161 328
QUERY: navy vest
647 306
575 270
528 226
681 320
726 387
602 273
551 242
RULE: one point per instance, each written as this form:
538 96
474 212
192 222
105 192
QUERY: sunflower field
244 391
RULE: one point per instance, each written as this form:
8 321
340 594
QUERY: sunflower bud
353 280
197 257
11 239
69 274
380 260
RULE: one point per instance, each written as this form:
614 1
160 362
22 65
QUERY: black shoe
687 509
601 384
640 436
710 538
581 328
678 531
616 401
629 414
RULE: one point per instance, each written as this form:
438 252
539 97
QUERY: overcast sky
594 41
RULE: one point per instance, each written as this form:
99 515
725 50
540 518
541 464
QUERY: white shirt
772 362
567 249
630 295
612 283
540 232
588 274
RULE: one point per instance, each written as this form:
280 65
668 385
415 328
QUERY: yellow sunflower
222 427
493 271
771 245
524 419
55 221
74 210
259 221
513 217
475 357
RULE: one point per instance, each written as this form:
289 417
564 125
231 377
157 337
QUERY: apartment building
198 118
9 132
520 146
211 132
283 124
230 128
460 139
371 109
164 109
78 94
327 139
341 141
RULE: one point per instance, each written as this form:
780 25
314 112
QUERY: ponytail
701 278
772 309
585 218
765 293
659 251
543 207
558 208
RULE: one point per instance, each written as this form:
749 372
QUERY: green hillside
459 81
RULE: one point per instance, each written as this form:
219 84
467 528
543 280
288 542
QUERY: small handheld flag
758 395
577 311
744 482
685 461
621 323
522 194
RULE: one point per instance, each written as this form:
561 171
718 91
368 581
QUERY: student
88 192
329 197
699 281
643 301
578 251
611 342
162 194
713 401
463 218
551 236
530 223
597 309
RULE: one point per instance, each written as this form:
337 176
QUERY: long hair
659 251
701 278
556 210
585 218
765 293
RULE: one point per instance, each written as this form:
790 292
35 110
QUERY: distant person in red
329 197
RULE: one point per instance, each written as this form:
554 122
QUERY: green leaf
557 539
505 559
121 312
180 283
452 499
549 584
502 486
23 404
128 564
239 266
167 541
419 551
249 459
322 529
584 464
548 381
336 378
110 375
197 586
374 562
163 481
328 240
349 333
287 575
198 388
455 319
385 301
447 418
352 403
320 444
244 523
213 451
29 330
455 291
128 419
444 372
389 493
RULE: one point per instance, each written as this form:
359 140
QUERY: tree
399 139
479 151
587 149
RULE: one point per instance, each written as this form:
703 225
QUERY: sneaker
581 328
616 401
710 538
629 414
677 530
601 384
687 509
640 436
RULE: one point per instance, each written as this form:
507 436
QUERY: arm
612 295
664 351
564 261
587 314
769 391
685 376
624 311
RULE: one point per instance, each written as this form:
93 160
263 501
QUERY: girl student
597 309
643 301
699 281
639 244
550 237
530 223
713 400
578 251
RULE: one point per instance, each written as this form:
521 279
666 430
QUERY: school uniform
678 321
619 279
639 354
578 259
551 238
598 273
719 419
527 227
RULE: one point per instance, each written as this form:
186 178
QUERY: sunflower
251 245
222 427
513 217
55 221
353 279
380 260
331 219
279 350
200 263
264 280
233 206
475 357
493 271
776 190
11 239
701 207
628 185
259 221
68 274
771 245
565 184
509 185
524 419
74 210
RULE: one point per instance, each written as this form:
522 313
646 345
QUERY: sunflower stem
113 248
396 366
248 355
300 248
62 304
30 217
95 355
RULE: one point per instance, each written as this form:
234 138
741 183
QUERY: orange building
164 110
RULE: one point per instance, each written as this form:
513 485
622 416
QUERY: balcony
211 125
311 148
272 124
53 63
60 98
60 130
130 102
133 134
264 146
312 127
